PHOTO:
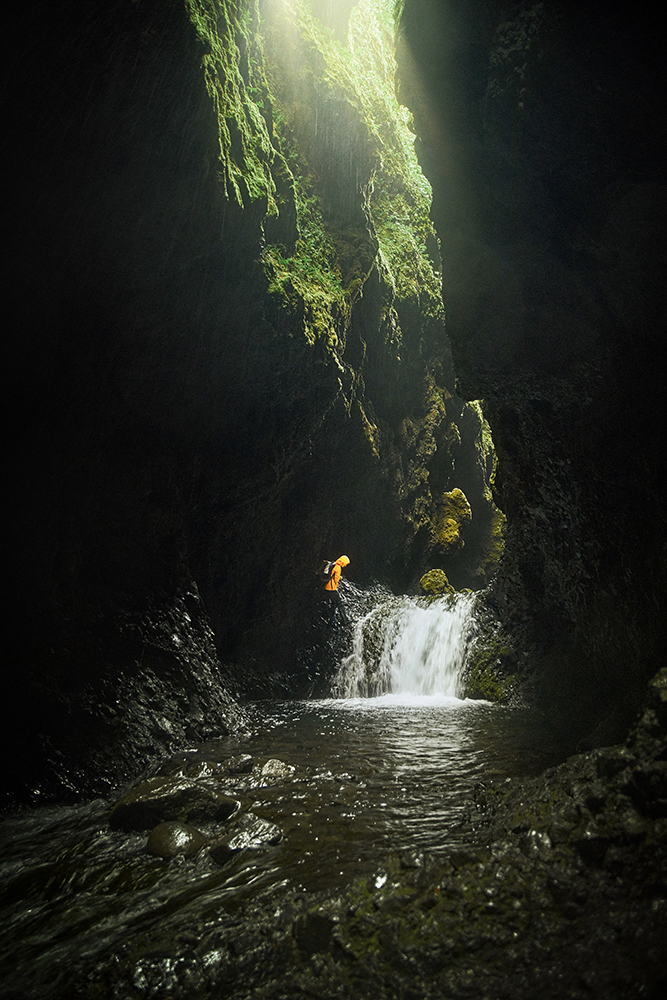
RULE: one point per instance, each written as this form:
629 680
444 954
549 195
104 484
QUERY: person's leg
329 606
341 610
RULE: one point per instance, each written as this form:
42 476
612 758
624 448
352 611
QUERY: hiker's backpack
326 569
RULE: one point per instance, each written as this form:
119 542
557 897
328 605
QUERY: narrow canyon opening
292 278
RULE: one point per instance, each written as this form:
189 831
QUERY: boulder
174 798
167 840
249 832
239 764
435 582
276 770
451 514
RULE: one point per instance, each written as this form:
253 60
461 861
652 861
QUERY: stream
365 777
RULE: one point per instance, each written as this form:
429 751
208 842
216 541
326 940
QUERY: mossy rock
486 675
435 582
453 511
158 800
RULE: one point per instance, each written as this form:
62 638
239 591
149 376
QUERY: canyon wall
541 128
226 354
226 359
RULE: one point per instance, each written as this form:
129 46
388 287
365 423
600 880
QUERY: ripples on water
372 776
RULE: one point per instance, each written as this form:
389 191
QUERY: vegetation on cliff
238 365
314 144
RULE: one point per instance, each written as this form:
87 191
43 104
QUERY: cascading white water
405 647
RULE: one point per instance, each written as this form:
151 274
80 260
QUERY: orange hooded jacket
337 570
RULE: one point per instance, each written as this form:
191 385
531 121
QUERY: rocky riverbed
565 895
557 889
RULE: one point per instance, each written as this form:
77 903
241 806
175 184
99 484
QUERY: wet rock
313 932
167 840
631 826
239 764
160 799
276 770
249 832
592 843
203 769
536 844
564 819
222 854
658 694
412 860
589 795
612 760
648 788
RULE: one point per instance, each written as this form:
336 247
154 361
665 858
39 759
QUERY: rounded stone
436 582
276 769
169 839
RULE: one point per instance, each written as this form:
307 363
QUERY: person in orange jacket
331 591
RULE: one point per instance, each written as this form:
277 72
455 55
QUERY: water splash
407 648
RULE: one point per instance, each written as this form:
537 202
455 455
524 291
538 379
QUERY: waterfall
408 648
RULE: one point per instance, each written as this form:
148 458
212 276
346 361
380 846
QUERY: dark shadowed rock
160 799
313 932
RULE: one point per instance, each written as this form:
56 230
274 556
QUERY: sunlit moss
401 196
452 512
487 459
263 64
246 151
494 545
314 142
486 452
435 582
386 224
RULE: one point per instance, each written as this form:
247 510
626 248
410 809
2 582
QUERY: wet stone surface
171 798
554 885
169 839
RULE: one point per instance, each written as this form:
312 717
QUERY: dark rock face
118 387
215 376
162 799
541 130
199 413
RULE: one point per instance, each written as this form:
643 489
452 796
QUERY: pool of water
371 777
385 774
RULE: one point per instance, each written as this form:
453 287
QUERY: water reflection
370 778
391 772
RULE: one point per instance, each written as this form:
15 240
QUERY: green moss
486 673
435 582
451 514
492 542
339 127
495 543
314 143
246 151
